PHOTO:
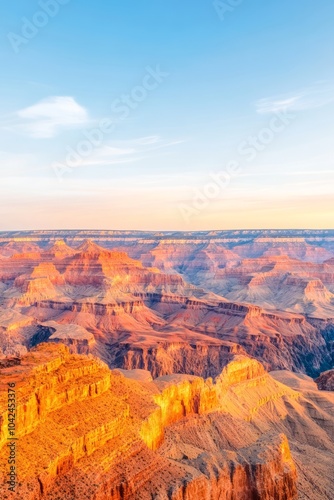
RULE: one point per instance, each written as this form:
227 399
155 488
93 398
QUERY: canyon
162 365
172 303
94 433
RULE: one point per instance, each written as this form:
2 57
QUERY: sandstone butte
87 432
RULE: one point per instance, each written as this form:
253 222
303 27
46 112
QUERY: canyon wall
76 418
86 432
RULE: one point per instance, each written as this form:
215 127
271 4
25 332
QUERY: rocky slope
91 433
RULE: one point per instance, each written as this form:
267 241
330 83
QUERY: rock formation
141 364
276 307
86 432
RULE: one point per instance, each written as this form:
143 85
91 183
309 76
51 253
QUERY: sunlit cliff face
186 395
243 431
77 419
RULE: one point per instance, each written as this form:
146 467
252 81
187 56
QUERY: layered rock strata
86 432
101 301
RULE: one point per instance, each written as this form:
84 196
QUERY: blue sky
186 89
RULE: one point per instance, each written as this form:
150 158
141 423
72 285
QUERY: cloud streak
307 98
116 152
49 117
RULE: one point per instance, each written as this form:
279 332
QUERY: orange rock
86 432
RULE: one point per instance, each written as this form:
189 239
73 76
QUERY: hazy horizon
141 230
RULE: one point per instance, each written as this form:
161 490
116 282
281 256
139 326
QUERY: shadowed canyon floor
86 432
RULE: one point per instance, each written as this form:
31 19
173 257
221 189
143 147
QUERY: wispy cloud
129 151
307 98
122 151
48 117
110 155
